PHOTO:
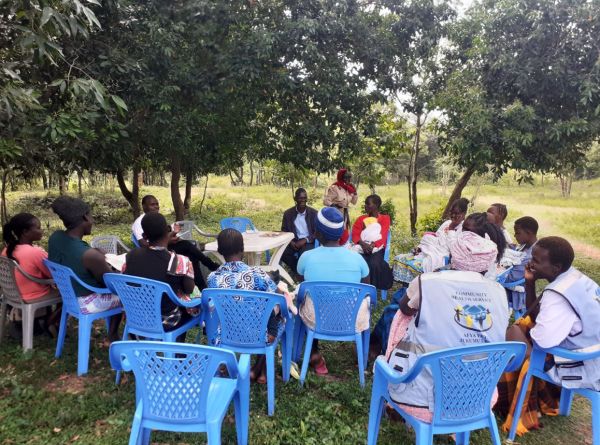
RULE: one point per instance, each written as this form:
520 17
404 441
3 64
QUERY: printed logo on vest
473 317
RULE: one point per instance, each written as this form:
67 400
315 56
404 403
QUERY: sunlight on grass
42 402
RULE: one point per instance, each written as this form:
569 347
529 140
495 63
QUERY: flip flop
295 371
321 367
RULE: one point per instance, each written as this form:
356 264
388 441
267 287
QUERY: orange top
30 260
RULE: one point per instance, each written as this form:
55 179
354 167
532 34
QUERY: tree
525 91
408 71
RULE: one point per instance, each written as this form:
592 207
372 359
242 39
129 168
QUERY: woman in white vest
567 314
447 309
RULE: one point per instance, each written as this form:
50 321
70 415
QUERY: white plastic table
255 243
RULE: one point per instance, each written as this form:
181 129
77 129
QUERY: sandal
321 367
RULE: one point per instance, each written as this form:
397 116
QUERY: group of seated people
460 305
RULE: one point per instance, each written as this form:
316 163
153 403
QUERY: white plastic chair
11 295
109 244
187 230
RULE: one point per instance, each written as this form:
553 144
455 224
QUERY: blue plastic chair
464 382
243 316
336 309
134 240
179 388
536 369
141 298
386 257
63 278
241 224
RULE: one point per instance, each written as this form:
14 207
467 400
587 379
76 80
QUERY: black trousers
291 256
189 249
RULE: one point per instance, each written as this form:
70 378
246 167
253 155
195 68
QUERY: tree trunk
79 185
251 173
412 177
175 194
3 210
45 179
187 201
132 196
61 185
203 195
458 189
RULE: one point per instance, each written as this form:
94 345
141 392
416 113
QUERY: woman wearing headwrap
68 248
340 195
455 308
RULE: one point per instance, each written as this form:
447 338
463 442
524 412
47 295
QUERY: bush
431 221
388 208
216 207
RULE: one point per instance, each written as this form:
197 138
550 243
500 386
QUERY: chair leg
375 412
566 398
62 332
242 412
83 345
493 431
366 337
270 355
384 294
424 434
361 359
306 359
595 401
519 406
135 437
463 438
146 433
28 321
213 431
297 339
2 318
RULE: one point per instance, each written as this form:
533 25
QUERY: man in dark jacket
300 220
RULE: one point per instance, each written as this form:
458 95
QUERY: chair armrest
195 302
514 283
203 233
96 290
384 370
570 355
34 279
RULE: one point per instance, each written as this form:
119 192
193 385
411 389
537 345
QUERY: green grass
43 402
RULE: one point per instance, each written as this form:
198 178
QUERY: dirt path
586 250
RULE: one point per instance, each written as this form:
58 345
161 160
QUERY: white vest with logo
456 309
583 294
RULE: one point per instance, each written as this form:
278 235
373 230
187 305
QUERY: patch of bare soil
70 384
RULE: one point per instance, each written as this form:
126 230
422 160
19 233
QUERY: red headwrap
343 184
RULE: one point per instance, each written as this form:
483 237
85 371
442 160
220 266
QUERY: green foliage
513 63
388 208
431 220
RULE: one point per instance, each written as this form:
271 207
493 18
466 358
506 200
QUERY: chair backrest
172 379
141 298
134 240
241 224
465 379
8 282
388 244
243 314
108 244
63 277
336 304
187 229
